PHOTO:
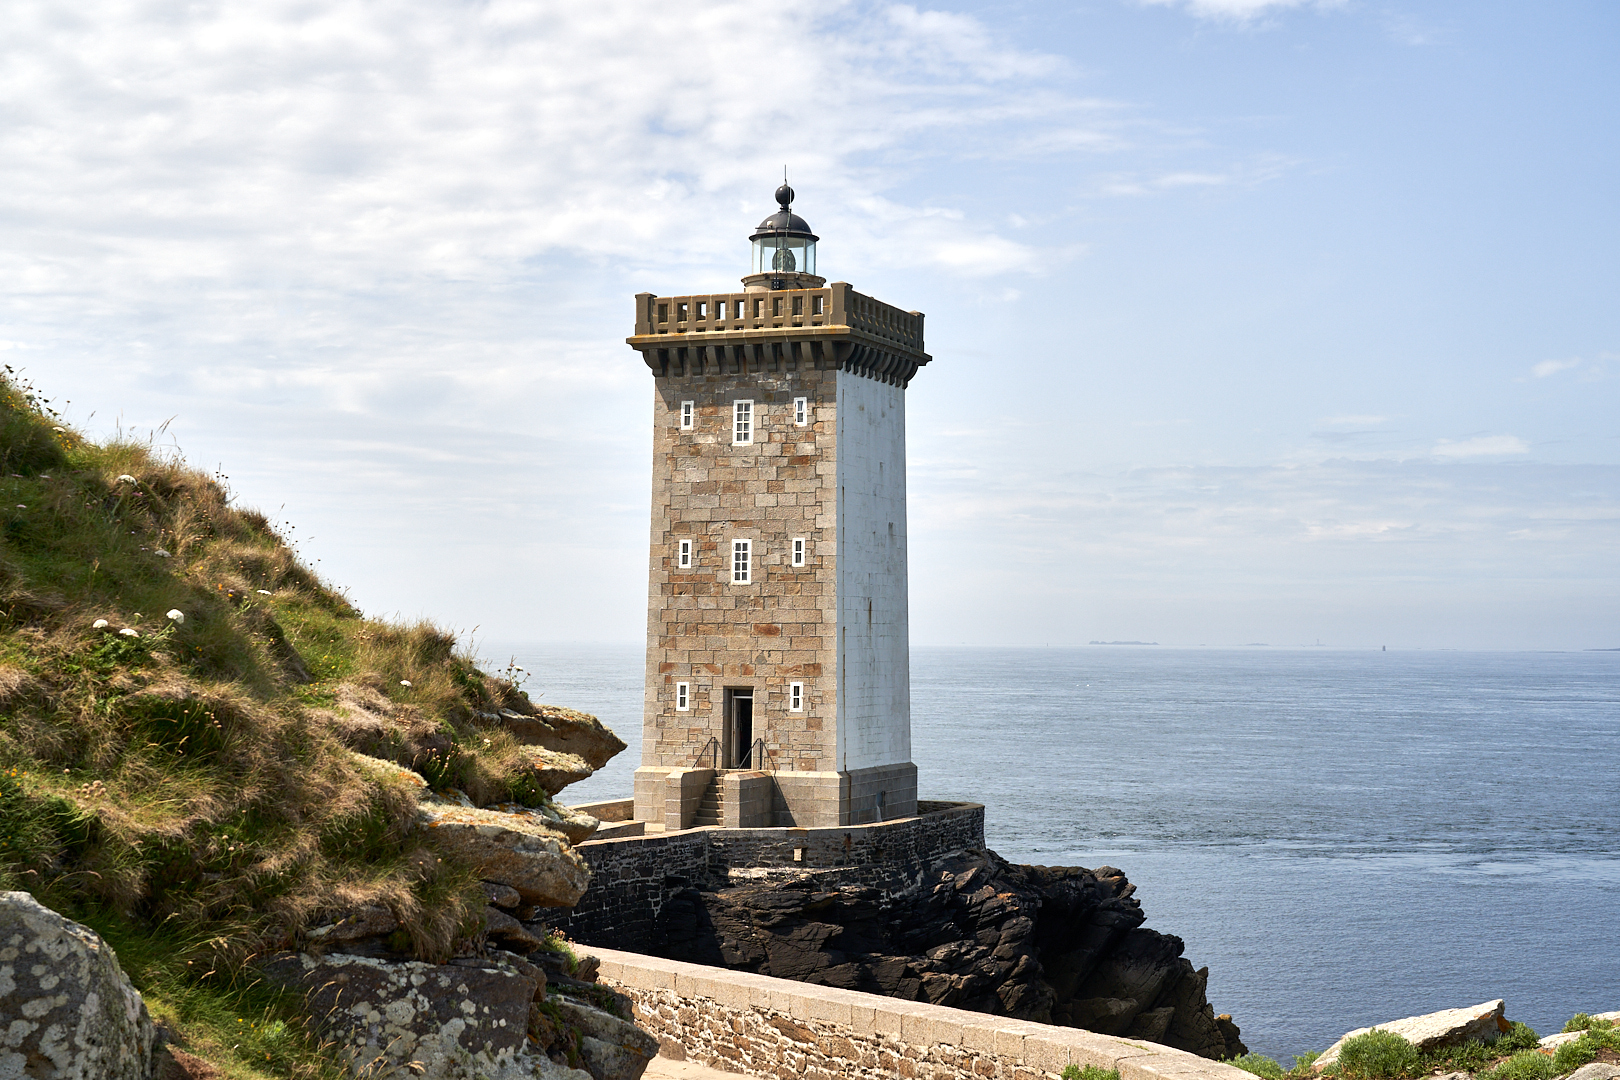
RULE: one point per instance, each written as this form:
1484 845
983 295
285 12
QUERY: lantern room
784 250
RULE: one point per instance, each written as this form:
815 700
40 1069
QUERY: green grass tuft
1525 1065
1090 1072
1379 1055
1259 1065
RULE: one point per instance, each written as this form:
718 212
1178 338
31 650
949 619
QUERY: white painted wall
874 651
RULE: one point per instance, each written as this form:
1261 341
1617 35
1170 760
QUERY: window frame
743 417
801 411
683 697
683 555
742 572
801 551
796 697
688 415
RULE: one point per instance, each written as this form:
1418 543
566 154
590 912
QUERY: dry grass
195 776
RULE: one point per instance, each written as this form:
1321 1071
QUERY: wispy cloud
1262 169
1481 446
1240 10
1553 367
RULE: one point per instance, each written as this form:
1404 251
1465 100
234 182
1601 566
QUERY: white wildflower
177 615
59 431
125 478
264 592
404 682
160 553
22 506
99 624
127 632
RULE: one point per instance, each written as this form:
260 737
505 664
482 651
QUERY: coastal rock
576 825
565 731
363 922
1479 1023
611 1048
554 770
511 933
1056 945
513 850
453 1022
70 1012
1597 1070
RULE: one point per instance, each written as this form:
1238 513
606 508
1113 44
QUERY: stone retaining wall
769 1027
632 876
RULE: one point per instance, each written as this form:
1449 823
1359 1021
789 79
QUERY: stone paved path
663 1068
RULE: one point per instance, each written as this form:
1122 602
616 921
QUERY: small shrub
1379 1055
1090 1072
1259 1065
1303 1062
1583 1022
1519 1037
1525 1065
1572 1055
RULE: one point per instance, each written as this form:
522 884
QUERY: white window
801 411
683 696
742 423
687 412
742 558
798 551
796 697
684 558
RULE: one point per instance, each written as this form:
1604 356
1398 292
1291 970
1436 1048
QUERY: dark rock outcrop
1060 945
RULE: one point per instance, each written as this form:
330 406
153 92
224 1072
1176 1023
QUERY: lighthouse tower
778 683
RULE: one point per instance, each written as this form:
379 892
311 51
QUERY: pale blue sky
1252 320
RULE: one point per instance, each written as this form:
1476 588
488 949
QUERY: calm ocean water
1342 837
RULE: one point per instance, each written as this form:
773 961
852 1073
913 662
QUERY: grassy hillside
178 695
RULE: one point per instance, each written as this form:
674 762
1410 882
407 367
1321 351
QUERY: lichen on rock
70 1011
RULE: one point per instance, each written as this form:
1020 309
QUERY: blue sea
1342 837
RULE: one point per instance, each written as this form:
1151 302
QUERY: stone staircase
711 810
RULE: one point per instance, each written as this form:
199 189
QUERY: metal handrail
757 755
704 749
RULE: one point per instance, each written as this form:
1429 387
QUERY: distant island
1122 643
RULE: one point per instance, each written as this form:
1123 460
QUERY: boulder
611 1048
1449 1027
554 770
442 1021
564 731
511 849
1597 1070
577 825
70 1012
363 922
511 933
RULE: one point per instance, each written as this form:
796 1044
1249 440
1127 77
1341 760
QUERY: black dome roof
784 222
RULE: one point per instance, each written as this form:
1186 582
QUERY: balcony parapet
781 330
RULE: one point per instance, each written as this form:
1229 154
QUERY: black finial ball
784 195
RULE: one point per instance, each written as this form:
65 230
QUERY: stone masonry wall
768 1027
631 877
780 628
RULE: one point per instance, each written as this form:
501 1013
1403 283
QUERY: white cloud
1553 367
1359 421
187 163
1481 446
1240 10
